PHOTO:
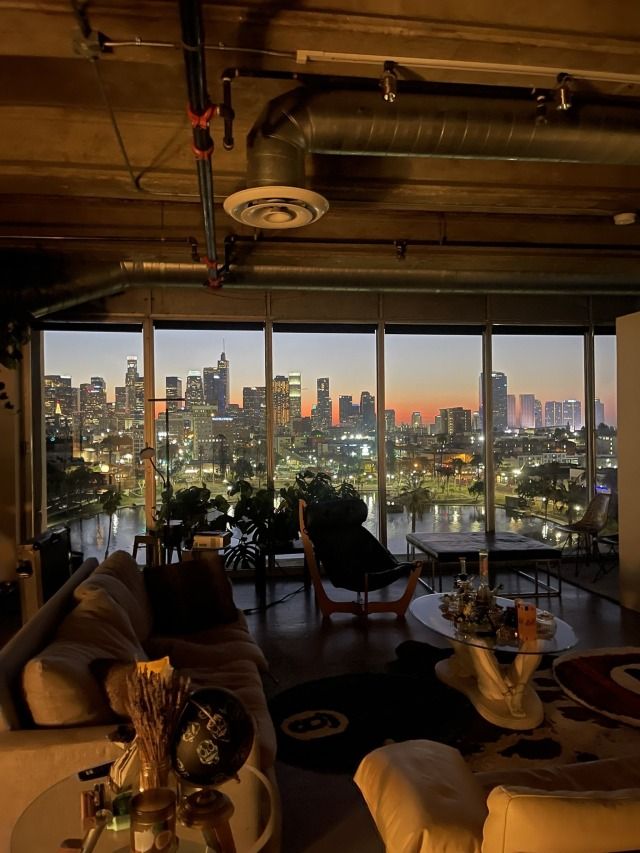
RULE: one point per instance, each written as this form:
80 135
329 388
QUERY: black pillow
189 596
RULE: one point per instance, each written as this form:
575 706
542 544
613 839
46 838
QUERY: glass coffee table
55 815
501 693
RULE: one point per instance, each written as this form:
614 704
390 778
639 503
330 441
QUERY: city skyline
423 373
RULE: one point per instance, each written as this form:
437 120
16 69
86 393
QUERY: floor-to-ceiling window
209 406
606 420
324 407
539 441
210 411
434 443
94 429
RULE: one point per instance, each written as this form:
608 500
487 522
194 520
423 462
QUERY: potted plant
192 506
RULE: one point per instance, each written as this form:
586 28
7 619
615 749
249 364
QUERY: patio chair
588 527
352 558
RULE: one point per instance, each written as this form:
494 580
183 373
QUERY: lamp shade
213 737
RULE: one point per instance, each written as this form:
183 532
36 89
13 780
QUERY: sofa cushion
121 577
59 686
189 596
183 653
527 819
423 798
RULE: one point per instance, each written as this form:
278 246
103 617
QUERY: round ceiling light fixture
276 207
626 218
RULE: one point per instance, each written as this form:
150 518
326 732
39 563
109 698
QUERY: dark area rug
330 724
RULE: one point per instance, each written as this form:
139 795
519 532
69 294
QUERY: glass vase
154 773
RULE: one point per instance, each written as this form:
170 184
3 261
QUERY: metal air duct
413 125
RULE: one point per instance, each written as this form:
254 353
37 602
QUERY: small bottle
483 566
153 821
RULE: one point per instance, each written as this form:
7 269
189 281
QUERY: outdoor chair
352 558
587 528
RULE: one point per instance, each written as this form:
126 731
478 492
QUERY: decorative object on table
470 609
156 696
153 821
213 737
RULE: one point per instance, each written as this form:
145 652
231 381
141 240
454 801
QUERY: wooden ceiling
69 187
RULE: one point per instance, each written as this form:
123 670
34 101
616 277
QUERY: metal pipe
433 125
200 109
116 278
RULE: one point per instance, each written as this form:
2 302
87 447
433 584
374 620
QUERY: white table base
502 694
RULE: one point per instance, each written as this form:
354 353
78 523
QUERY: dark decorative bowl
213 737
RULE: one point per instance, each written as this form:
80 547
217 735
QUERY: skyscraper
416 420
553 414
599 413
499 394
345 409
211 386
131 380
223 385
389 419
194 395
537 414
58 392
512 423
281 410
324 406
527 411
367 410
93 400
455 421
254 400
295 395
572 414
173 391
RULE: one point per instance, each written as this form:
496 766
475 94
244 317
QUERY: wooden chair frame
329 605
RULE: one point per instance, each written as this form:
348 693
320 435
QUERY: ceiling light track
530 71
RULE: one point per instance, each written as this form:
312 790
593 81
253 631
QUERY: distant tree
242 469
110 500
415 498
476 490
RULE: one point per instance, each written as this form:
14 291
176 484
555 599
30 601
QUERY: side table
55 815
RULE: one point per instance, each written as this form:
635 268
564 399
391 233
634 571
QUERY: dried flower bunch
156 697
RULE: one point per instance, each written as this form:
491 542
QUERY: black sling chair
352 558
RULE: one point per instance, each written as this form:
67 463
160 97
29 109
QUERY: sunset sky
423 373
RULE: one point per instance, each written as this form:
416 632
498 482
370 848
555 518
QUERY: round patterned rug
604 680
330 724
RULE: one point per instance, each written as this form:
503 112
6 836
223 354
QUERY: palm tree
110 500
415 498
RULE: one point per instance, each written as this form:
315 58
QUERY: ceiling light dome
276 207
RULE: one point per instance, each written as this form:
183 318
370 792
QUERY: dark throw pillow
189 596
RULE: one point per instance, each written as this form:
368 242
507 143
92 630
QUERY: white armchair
424 799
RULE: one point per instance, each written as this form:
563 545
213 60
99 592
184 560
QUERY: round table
55 816
501 693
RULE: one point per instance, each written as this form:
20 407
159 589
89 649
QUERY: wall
628 361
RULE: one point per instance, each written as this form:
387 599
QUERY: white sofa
39 745
424 799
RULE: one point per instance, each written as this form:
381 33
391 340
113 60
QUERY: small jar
545 624
153 821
